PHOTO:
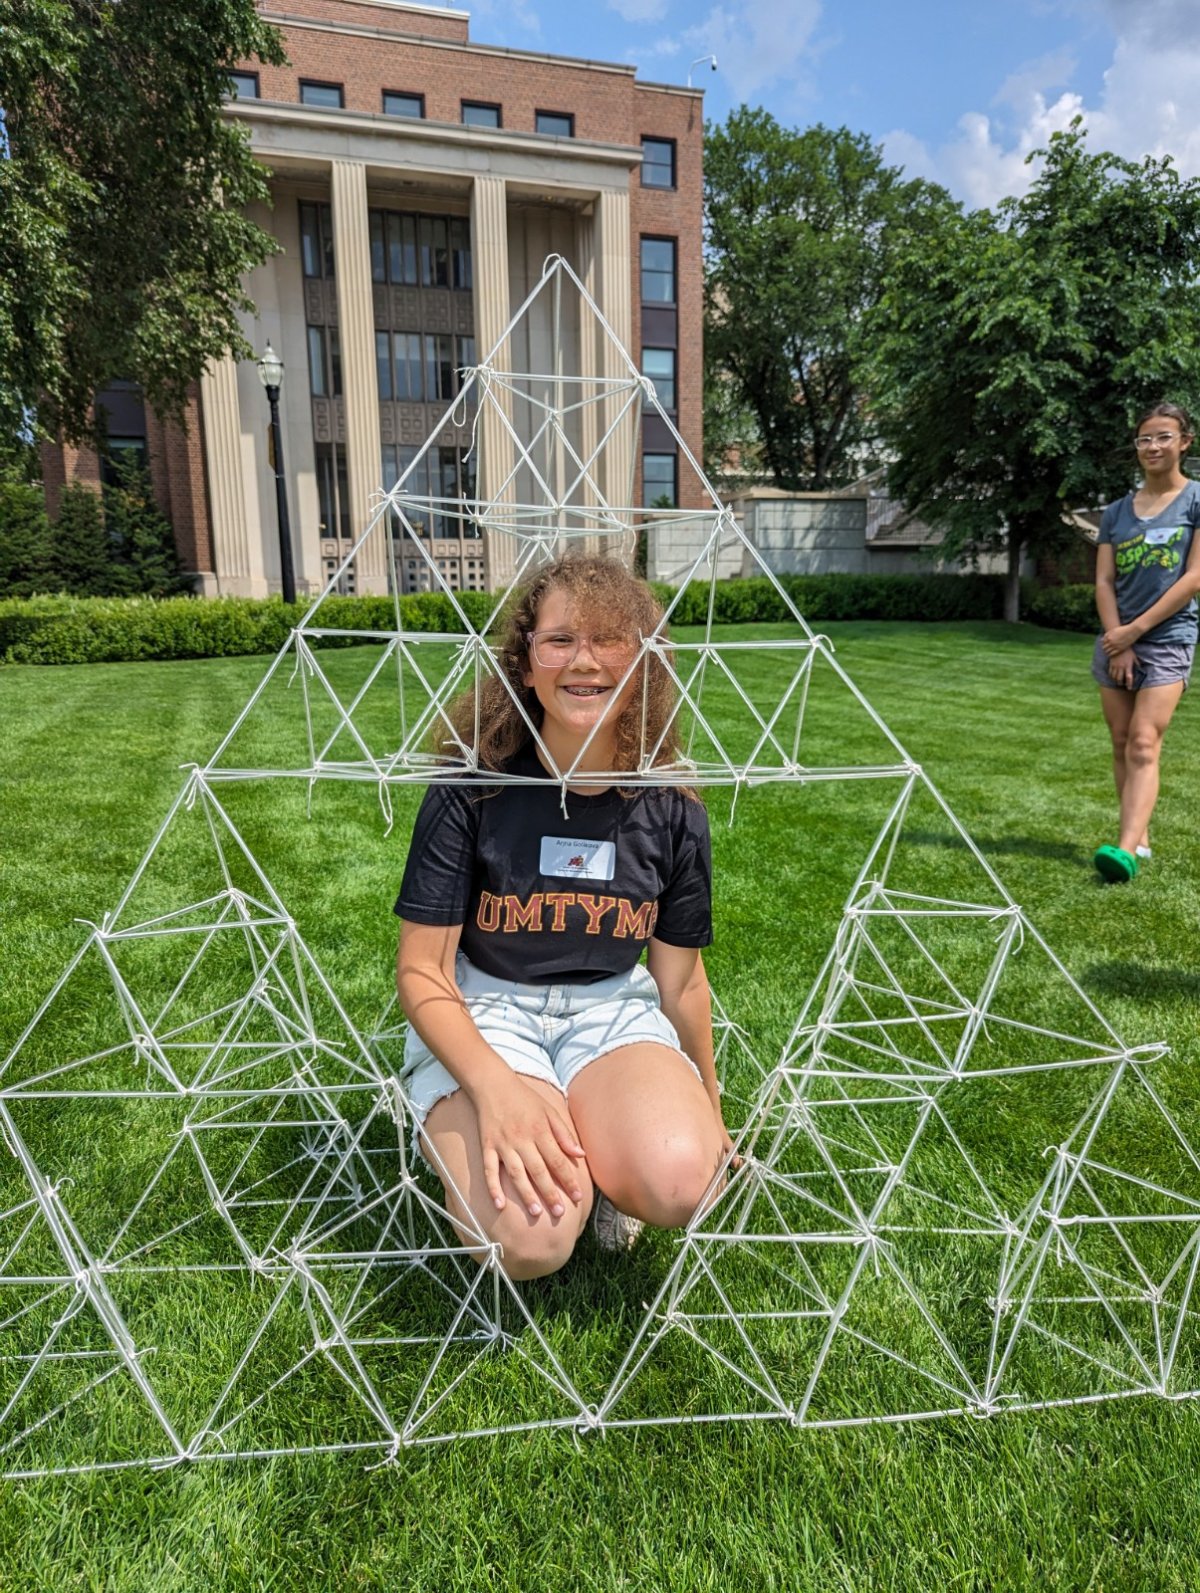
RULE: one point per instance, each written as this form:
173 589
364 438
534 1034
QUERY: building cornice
411 5
287 113
284 19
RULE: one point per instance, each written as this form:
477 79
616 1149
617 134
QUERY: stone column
613 293
237 556
356 324
493 312
589 367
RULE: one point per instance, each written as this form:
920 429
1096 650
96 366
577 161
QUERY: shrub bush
1063 608
73 630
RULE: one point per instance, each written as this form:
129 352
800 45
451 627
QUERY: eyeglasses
555 649
1161 439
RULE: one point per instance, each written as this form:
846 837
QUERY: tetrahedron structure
955 1189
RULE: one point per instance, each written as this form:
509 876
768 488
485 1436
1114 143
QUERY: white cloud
755 47
1148 104
639 10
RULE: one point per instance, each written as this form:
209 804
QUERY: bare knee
534 1248
667 1192
530 1247
1142 748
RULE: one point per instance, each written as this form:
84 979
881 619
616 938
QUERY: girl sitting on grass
544 1062
1147 577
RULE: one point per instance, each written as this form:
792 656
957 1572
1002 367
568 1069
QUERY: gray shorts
548 1032
1159 664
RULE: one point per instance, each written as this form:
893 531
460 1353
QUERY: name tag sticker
567 859
1161 534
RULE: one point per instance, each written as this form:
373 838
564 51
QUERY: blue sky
956 90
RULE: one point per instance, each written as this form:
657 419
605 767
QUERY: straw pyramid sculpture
959 1190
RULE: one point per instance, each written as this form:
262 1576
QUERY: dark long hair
1166 411
600 588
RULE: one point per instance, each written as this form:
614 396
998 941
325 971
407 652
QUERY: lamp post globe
270 372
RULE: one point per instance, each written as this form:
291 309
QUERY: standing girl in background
544 1062
1147 577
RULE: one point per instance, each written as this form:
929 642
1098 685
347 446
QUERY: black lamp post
270 371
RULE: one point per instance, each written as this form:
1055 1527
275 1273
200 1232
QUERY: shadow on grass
1143 984
1004 846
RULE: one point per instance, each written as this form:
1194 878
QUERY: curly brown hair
599 588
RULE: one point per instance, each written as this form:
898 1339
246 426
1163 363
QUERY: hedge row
65 630
82 630
843 597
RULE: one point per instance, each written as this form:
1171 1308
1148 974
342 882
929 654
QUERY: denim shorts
1158 664
548 1032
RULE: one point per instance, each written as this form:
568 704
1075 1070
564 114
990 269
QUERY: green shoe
1115 865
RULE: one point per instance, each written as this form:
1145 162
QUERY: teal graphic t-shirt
1150 557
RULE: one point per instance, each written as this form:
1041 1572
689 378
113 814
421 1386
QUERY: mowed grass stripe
1007 725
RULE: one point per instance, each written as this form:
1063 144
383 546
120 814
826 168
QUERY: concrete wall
828 535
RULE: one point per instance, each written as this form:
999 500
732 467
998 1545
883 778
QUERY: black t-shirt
545 898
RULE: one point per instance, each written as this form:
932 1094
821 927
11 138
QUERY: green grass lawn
1007 726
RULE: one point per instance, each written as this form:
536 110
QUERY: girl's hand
534 1144
726 1137
1121 667
1119 640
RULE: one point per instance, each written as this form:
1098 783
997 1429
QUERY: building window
243 85
435 252
318 364
397 462
316 240
465 362
383 364
410 385
324 96
442 483
659 488
440 385
324 362
460 252
659 365
123 458
658 270
333 490
426 251
397 104
658 163
555 124
415 367
478 113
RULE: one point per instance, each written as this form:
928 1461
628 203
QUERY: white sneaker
614 1231
1143 852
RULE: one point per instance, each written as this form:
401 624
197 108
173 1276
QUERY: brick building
419 180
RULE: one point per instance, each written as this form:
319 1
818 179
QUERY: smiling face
577 696
1161 444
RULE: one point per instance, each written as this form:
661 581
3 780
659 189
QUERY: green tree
1013 349
24 537
140 535
122 233
799 239
81 555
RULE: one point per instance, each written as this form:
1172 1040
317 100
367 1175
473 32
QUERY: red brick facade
177 476
372 48
414 51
